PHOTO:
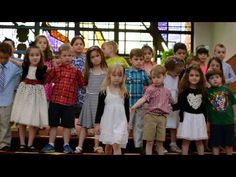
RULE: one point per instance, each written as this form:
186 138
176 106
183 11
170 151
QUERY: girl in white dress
112 115
30 104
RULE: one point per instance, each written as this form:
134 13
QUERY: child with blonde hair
112 115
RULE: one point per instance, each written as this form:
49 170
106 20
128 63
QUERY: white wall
211 33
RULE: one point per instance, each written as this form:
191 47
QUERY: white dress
30 104
172 84
113 125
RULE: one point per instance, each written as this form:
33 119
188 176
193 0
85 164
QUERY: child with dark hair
148 56
202 52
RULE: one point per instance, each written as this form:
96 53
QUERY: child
30 104
78 60
56 61
94 74
9 74
66 79
42 42
202 52
221 109
192 126
174 66
180 51
159 105
192 61
229 74
136 79
214 64
110 50
112 115
148 55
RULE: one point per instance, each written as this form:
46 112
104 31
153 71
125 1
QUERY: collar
6 65
158 86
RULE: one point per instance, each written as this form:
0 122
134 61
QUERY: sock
51 144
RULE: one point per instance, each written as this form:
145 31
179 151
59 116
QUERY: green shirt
117 59
220 101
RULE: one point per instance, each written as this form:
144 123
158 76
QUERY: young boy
159 100
221 109
110 50
9 74
220 51
180 50
136 79
66 80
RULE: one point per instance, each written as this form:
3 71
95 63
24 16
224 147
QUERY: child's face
202 57
220 52
215 80
34 57
147 54
180 53
95 58
194 77
176 72
78 46
4 58
214 65
193 62
117 78
107 50
137 62
57 61
158 80
42 43
66 57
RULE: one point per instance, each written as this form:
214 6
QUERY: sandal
98 149
32 149
78 150
22 148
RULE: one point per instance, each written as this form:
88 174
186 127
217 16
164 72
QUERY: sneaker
175 148
48 148
67 149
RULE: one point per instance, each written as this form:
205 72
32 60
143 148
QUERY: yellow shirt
117 59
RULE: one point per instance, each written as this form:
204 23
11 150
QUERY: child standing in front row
174 66
191 103
67 79
112 115
221 110
30 104
136 79
94 74
159 105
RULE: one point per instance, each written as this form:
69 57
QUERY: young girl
221 109
192 126
94 74
78 61
202 52
30 104
214 63
41 41
148 55
174 67
112 115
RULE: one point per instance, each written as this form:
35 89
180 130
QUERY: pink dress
48 87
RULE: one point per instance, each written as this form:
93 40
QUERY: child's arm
231 75
138 104
50 75
100 110
18 63
81 79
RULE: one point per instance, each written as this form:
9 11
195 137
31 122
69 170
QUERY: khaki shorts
154 127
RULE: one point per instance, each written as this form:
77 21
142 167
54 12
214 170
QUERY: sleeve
231 75
100 107
231 97
147 94
126 104
81 79
146 79
44 72
125 64
50 75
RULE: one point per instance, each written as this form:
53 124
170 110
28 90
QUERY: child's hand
18 63
132 109
130 127
97 129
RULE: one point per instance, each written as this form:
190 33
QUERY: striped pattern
2 78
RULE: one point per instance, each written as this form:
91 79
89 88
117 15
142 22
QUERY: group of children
105 93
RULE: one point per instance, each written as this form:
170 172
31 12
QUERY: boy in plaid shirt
136 79
67 79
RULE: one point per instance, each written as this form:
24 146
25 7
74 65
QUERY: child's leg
149 145
138 128
66 135
22 132
52 135
173 139
82 136
200 147
229 150
32 133
108 149
160 148
117 149
215 150
185 146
